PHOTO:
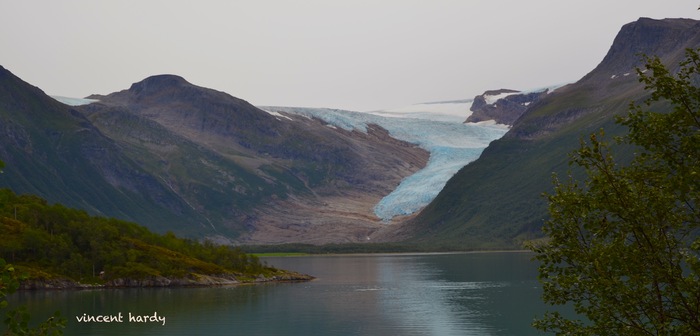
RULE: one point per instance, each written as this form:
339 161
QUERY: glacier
74 101
437 127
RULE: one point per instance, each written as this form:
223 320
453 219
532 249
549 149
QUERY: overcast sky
358 55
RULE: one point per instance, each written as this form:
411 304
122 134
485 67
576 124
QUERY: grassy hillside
496 202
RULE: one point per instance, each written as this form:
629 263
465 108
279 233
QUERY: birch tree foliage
623 243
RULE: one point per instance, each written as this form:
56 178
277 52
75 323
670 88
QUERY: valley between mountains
331 171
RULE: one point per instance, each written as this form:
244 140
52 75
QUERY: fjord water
402 294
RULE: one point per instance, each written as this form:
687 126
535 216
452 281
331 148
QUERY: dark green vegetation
17 320
54 242
495 202
623 243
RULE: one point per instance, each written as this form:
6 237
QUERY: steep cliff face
613 83
504 105
174 156
664 38
496 201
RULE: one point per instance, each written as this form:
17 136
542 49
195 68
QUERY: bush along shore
55 247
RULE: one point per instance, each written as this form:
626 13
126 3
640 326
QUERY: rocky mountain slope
52 150
496 201
503 106
174 156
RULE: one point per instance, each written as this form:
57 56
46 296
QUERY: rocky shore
192 280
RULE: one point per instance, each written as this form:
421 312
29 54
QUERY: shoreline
221 280
369 254
191 281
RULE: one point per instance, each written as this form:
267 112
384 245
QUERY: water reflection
422 303
461 294
433 294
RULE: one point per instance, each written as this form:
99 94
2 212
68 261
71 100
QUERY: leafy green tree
17 320
623 244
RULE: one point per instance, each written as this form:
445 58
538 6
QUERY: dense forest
55 242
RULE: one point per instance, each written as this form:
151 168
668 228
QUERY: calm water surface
425 294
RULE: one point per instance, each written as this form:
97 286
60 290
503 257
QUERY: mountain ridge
51 149
496 202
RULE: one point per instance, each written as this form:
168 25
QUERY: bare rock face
504 105
38 284
191 280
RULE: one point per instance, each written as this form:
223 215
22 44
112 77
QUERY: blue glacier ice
436 127
74 101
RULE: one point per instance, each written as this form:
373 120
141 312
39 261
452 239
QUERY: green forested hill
55 242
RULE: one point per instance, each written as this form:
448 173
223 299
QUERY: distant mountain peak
615 76
168 89
651 37
158 83
503 105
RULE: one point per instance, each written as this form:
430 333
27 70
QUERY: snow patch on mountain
278 115
492 99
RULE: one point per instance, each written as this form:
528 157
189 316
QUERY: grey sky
355 54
